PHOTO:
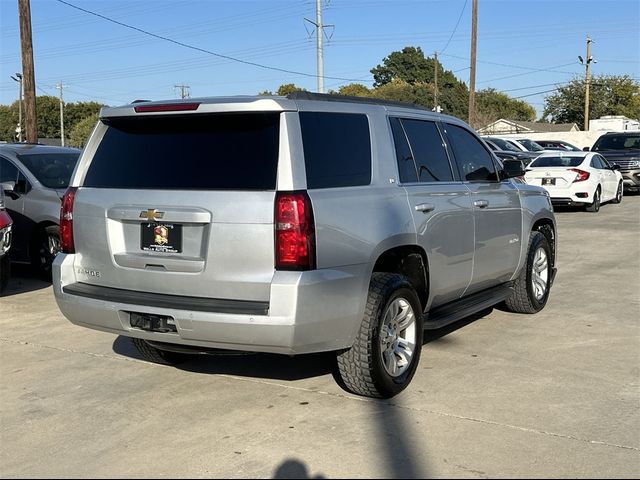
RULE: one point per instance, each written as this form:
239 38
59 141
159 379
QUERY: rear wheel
618 198
531 288
156 355
386 351
595 205
45 247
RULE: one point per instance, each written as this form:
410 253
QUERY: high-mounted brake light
168 107
582 175
66 221
295 232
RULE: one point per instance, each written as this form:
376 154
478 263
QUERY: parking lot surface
555 394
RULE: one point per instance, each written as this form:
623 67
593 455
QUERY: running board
459 309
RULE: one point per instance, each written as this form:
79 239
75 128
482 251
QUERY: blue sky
525 47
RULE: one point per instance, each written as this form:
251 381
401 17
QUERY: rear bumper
313 311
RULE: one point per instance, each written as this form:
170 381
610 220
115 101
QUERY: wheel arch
547 227
410 261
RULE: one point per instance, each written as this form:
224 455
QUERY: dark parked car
5 244
558 145
506 151
34 178
622 149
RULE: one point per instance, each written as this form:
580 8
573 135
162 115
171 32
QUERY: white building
613 123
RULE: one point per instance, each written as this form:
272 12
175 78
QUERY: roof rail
139 101
304 95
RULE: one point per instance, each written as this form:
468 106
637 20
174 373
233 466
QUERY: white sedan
576 178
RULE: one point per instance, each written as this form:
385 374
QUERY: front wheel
386 351
618 198
531 288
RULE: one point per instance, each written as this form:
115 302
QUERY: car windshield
53 170
530 145
617 142
556 162
504 145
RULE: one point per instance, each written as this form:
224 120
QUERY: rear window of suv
617 142
337 149
188 152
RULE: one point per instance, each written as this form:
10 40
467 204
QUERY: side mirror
512 168
615 166
585 149
9 189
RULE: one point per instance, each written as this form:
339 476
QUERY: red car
5 243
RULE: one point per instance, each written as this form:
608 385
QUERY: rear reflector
66 221
170 107
295 232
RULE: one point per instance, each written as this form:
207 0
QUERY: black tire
595 205
619 194
361 368
525 299
44 248
5 271
155 355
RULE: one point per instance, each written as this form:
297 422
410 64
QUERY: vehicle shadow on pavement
23 280
294 468
247 364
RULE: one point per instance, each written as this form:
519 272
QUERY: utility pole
319 51
435 89
60 87
28 72
18 78
184 90
587 82
472 76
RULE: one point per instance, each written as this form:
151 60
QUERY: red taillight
295 232
5 219
66 221
582 175
168 107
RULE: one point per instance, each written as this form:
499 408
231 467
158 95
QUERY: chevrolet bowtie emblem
151 214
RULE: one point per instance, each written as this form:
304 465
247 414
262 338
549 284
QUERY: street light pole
19 80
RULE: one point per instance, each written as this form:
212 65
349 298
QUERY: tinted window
53 170
474 161
557 162
8 171
530 145
337 149
617 142
404 157
504 145
199 152
430 157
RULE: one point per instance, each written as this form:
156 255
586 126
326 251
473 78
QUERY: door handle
481 203
425 207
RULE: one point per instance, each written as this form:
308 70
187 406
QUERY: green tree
608 95
82 129
8 122
288 88
407 68
78 111
355 90
48 115
492 105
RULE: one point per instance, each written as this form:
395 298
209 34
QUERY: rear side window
53 170
432 163
474 161
337 149
188 152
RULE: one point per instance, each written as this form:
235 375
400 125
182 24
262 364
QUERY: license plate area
152 323
161 237
548 181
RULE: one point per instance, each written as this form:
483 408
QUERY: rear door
180 204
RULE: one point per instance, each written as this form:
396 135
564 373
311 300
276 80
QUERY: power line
192 47
456 27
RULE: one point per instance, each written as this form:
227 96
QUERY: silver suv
294 225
